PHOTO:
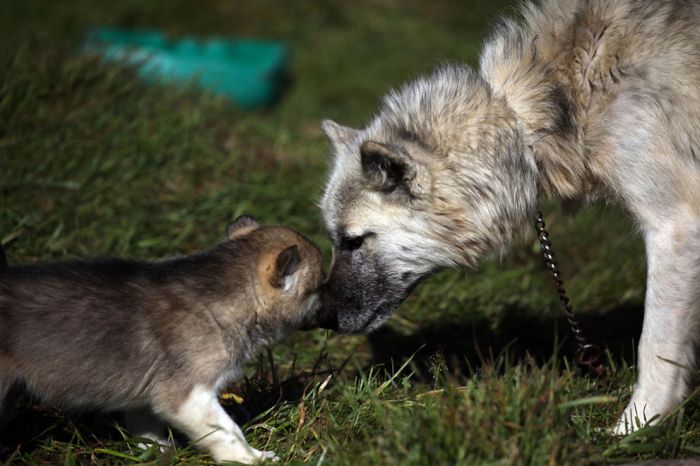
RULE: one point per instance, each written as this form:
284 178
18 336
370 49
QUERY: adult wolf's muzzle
359 295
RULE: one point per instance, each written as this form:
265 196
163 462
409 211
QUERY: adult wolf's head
438 178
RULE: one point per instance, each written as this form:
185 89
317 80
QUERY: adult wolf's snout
359 296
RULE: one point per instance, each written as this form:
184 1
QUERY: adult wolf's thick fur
583 101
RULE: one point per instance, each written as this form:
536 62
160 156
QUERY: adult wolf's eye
350 243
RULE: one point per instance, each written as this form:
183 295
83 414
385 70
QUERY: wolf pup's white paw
262 456
247 456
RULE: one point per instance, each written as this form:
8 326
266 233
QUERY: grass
473 369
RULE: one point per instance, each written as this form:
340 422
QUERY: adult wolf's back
584 100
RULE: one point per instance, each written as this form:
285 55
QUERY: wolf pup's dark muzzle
327 315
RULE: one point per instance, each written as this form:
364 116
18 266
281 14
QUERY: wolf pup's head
289 274
437 179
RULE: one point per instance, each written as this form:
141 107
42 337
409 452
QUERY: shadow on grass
467 345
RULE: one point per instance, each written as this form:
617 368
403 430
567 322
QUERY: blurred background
95 161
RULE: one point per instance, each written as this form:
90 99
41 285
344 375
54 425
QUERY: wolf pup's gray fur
158 337
579 101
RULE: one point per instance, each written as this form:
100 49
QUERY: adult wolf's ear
387 169
241 227
286 264
338 135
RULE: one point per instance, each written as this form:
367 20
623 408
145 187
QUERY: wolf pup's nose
327 315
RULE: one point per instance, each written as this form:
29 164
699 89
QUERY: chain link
588 356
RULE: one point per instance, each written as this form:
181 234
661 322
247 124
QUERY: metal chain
588 356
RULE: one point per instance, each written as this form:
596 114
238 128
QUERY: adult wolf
581 100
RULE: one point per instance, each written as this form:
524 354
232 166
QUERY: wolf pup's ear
241 227
337 134
286 264
388 168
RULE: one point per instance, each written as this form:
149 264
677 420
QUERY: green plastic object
251 72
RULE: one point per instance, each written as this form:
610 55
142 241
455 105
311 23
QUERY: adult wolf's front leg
671 319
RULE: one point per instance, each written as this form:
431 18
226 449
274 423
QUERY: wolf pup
581 100
158 339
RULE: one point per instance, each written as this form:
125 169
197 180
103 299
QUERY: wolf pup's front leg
204 420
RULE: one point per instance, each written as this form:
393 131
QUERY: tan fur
594 52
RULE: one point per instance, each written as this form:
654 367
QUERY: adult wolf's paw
632 419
